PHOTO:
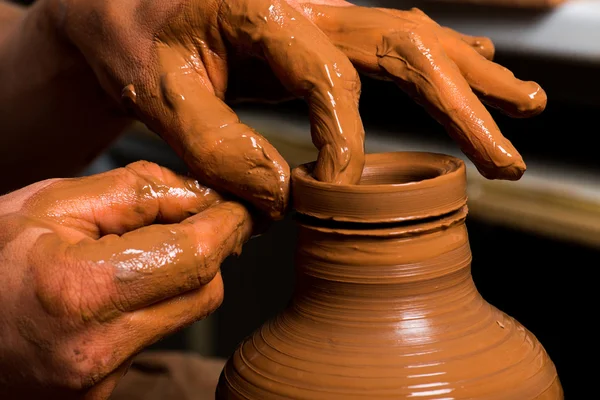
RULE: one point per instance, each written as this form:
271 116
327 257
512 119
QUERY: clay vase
385 306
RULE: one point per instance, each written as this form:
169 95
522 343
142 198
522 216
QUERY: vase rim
394 187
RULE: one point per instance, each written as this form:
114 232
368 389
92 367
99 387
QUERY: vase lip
394 187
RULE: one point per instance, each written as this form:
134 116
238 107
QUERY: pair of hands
174 66
96 269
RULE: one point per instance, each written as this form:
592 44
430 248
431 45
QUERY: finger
309 66
104 388
220 151
482 45
417 62
132 332
495 85
122 200
157 262
150 324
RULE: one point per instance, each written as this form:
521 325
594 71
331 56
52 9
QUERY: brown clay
388 310
378 198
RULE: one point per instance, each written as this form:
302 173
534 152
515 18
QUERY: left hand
95 269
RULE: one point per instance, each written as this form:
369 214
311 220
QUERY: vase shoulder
499 359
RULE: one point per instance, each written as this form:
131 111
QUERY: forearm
54 118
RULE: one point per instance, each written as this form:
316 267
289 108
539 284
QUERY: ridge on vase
385 306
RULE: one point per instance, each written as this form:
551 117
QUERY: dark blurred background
530 239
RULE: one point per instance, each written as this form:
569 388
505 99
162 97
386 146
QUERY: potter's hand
95 269
168 62
450 74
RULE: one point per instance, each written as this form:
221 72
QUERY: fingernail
512 172
534 103
250 168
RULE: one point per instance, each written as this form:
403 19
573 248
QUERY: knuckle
68 289
205 265
205 247
421 35
53 281
354 83
413 35
144 177
215 295
141 174
82 363
125 176
144 168
215 300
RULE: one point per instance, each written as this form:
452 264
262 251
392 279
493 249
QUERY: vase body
389 311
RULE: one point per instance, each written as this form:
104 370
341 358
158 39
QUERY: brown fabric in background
170 376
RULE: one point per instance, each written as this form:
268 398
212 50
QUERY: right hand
450 74
95 269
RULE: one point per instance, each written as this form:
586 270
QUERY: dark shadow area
258 285
528 277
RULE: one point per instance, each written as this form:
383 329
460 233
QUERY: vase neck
341 272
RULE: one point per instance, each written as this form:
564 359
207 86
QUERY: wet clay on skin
152 233
222 151
401 46
102 267
309 50
442 72
388 310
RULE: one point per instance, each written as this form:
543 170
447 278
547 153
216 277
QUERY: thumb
220 151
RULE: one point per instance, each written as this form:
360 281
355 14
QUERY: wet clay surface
389 312
394 187
177 65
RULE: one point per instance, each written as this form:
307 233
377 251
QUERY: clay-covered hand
168 62
95 269
450 74
172 63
